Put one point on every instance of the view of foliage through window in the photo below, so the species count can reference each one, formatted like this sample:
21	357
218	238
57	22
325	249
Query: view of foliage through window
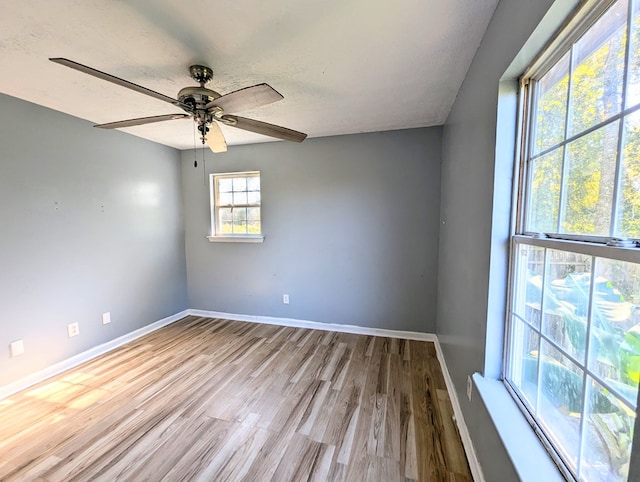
593	91
575	354
574	348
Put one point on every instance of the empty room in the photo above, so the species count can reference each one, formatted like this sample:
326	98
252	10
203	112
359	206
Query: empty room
300	241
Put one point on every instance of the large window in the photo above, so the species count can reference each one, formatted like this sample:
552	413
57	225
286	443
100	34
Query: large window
235	206
573	357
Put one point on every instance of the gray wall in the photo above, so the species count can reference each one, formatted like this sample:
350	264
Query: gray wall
351	226
91	222
476	199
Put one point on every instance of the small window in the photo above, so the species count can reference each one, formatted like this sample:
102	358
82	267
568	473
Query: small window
235	207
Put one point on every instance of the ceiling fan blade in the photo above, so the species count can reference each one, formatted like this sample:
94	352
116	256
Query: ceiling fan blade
264	128
247	98
215	139
142	120
117	80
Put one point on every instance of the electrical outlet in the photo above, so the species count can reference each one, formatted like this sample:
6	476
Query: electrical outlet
17	348
73	329
285	299
106	318
469	387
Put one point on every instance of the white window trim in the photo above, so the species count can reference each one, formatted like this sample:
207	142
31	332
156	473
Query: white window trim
530	456
231	238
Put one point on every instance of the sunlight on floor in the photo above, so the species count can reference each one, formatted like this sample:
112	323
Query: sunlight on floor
54	392
89	398
63	390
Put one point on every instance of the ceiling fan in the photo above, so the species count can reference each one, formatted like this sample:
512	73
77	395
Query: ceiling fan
205	106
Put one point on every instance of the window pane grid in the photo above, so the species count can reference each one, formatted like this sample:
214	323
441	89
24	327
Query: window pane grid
236	204
586	132
599	404
576	362
601	60
583	364
614	196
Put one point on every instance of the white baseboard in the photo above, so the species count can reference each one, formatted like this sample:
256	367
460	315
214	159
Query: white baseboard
76	360
474	464
30	380
317	325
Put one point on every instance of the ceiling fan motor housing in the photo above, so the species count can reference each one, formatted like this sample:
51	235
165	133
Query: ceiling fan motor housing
197	97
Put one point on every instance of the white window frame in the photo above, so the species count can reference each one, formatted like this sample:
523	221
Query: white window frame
594	246
216	234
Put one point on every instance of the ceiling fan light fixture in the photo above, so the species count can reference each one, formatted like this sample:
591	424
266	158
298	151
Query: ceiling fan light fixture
215	139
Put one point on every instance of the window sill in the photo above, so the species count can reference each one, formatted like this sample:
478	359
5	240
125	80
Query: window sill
236	239
529	457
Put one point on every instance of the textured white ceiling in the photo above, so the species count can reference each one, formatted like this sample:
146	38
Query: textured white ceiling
343	66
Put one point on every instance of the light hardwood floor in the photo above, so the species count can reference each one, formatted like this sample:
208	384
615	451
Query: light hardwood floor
215	400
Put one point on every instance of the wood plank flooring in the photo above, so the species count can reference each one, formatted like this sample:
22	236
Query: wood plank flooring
217	400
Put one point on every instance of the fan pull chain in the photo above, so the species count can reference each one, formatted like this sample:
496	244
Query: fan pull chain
195	159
